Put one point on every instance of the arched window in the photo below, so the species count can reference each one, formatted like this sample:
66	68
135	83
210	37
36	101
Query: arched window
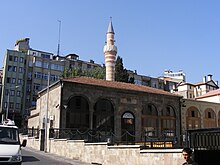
103	116
210	118
77	115
168	122
128	126
193	119
150	120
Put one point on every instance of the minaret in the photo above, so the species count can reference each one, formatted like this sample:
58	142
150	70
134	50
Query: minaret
110	51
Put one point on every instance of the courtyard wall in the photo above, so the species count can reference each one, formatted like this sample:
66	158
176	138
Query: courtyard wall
102	153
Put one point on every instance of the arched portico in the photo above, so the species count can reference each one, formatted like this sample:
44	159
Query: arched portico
193	119
77	114
103	115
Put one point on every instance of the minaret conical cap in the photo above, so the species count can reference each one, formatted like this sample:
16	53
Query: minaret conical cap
110	26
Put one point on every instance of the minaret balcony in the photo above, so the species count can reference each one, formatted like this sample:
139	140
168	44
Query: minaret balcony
110	48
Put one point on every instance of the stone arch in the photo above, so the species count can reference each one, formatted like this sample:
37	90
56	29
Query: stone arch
168	121
128	126
209	118
77	115
150	120
103	115
193	118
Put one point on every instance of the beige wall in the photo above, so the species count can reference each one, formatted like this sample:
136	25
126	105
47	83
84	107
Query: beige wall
53	106
33	120
110	155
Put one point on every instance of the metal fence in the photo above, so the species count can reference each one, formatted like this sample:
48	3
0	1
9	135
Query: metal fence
94	136
204	139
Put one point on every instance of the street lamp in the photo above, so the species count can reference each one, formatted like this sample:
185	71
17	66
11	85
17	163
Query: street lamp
47	106
8	100
46	115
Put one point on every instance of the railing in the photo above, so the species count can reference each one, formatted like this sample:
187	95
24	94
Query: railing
92	136
31	132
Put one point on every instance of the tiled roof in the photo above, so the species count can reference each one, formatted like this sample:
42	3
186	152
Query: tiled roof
117	85
209	94
199	83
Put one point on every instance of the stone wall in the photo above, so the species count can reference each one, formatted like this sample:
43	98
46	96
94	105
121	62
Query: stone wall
110	155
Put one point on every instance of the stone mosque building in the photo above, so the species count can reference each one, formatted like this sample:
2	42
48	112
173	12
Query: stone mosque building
89	103
83	102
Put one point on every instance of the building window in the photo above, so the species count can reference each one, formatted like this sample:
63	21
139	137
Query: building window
37	87
210	118
57	67
45	76
19	81
10	58
14	68
20	69
38	63
53	77
15	58
21	59
8	80
13	80
149	120
29	75
168	122
38	75
46	65
18	93
46	56
89	66
10	68
193	118
12	93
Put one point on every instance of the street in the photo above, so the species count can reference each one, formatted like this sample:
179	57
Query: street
34	157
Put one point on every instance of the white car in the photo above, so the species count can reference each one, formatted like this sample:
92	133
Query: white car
10	146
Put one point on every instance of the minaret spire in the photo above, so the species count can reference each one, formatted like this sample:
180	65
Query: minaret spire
110	51
110	27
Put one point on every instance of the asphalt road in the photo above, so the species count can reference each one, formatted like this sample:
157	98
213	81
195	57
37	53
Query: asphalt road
35	157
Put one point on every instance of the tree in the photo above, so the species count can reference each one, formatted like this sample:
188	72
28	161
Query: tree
97	72
121	73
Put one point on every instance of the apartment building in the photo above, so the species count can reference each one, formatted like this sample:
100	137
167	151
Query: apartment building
162	82
192	91
27	71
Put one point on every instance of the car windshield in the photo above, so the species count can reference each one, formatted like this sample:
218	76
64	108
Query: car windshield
8	135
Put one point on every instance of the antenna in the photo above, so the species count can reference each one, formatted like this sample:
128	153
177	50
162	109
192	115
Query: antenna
58	49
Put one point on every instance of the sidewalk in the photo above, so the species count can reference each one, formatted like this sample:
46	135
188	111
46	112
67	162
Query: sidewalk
56	157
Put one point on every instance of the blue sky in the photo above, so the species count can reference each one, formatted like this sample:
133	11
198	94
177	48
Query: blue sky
151	35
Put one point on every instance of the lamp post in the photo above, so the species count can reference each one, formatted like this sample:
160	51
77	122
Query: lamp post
47	108
46	115
8	100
